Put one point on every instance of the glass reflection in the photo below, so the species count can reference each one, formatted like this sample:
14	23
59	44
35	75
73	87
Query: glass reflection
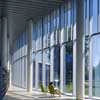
57	66
47	74
19	61
34	73
87	65
68	70
40	73
96	65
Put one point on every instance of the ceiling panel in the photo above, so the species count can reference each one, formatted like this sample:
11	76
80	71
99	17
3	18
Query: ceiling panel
22	10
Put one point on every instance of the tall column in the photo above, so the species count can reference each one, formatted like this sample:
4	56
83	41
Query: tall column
52	65
90	70
74	49
36	75
10	43
29	57
4	42
80	75
9	66
44	70
62	64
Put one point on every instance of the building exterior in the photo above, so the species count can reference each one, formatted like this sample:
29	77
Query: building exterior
60	46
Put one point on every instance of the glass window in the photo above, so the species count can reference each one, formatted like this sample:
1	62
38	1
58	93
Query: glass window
52	36
56	35
19	70
87	65
46	56
69	14
45	30
86	25
91	8
49	30
66	15
40	73
69	21
95	15
58	19
99	7
62	17
57	66
47	74
86	8
55	24
91	15
68	68
96	65
34	73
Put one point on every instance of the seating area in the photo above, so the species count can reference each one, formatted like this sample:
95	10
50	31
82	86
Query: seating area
50	89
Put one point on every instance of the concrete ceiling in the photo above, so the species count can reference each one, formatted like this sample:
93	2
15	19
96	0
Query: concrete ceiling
18	11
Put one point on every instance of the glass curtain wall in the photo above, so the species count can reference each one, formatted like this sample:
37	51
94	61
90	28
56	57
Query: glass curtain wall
96	65
67	42
55	46
50	33
39	53
92	30
19	61
53	31
46	49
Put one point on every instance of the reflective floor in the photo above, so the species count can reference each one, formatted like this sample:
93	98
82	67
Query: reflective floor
21	94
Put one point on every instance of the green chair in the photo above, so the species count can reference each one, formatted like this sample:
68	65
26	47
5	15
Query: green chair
53	91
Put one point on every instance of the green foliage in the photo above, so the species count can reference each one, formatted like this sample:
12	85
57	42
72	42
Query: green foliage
43	89
70	87
86	88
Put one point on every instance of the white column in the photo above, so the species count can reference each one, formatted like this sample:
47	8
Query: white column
74	60
90	70
9	62
80	73
9	65
62	65
44	71
36	74
4	44
29	58
10	74
52	65
74	49
91	63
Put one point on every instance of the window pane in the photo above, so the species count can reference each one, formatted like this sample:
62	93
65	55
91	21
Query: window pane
87	65
34	74
96	65
47	74
95	14
40	74
57	66
68	68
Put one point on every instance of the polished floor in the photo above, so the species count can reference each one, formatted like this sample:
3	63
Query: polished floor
21	94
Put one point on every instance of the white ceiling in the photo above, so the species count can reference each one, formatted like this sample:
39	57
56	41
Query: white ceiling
18	11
